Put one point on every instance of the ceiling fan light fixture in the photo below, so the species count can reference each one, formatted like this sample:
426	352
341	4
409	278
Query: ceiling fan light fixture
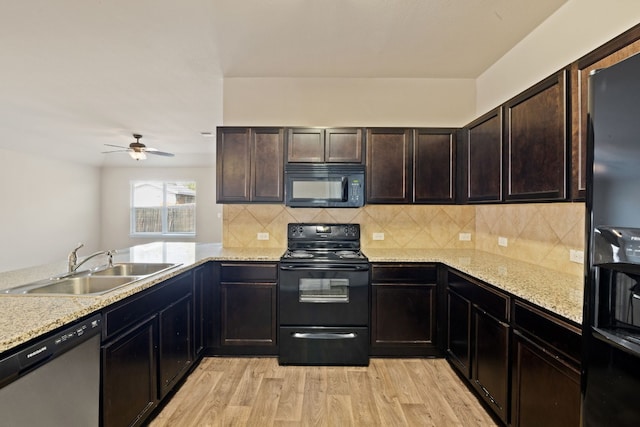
137	155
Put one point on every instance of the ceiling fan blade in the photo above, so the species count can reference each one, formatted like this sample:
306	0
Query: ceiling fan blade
116	151
158	152
117	146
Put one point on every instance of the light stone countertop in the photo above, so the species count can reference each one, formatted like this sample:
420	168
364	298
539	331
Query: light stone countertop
558	292
24	317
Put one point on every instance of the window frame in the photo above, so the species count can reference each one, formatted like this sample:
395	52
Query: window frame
164	209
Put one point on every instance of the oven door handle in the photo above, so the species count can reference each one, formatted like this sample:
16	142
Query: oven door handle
335	267
325	335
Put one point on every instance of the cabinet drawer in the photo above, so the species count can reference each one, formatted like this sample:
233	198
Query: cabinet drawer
560	335
144	304
404	273
487	299
249	272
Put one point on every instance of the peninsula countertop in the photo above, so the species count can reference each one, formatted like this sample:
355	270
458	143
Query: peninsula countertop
27	316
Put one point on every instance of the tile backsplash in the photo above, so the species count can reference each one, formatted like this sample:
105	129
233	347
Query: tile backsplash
541	233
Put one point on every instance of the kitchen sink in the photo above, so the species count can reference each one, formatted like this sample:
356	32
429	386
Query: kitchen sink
92	282
84	285
133	269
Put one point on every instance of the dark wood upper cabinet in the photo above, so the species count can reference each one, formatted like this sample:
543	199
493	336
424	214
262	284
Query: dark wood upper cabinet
389	165
317	145
434	166
250	165
480	160
609	54
343	145
535	129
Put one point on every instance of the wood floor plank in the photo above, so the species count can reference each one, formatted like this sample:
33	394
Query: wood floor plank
290	403
230	391
365	411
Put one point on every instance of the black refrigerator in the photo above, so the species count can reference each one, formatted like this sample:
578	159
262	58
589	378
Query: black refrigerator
611	325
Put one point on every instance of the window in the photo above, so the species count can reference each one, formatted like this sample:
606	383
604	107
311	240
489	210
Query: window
163	208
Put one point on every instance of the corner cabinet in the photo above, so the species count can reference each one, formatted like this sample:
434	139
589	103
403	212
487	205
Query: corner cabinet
404	309
146	350
246	297
250	165
536	130
318	145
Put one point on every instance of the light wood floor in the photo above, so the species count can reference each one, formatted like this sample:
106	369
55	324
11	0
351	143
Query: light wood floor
259	392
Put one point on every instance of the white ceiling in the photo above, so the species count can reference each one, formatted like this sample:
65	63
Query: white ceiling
78	74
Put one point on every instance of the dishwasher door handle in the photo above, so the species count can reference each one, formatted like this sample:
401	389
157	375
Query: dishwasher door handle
325	335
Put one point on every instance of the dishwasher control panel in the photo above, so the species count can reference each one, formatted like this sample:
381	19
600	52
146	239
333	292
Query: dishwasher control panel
48	347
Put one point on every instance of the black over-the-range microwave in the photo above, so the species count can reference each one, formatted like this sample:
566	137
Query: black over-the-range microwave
324	185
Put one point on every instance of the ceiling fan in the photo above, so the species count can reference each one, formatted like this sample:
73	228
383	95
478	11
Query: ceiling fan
137	150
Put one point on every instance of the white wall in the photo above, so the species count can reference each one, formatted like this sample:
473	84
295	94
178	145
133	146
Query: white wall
116	203
47	207
576	29
348	102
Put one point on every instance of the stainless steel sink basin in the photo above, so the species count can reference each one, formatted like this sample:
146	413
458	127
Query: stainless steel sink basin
93	282
133	269
85	285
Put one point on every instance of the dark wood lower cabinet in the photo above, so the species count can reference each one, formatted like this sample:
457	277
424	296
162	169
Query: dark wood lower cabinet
174	343
248	314
245	300
459	332
403	310
546	389
146	350
129	391
490	372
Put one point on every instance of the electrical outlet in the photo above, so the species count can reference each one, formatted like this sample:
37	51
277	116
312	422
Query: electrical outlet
378	236
576	256
263	236
503	241
464	237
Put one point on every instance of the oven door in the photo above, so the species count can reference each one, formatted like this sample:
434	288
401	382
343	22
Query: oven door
324	294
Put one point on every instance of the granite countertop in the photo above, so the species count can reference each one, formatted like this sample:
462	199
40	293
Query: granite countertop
557	292
27	316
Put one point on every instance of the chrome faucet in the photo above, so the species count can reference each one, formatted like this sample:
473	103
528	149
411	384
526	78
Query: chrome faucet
73	258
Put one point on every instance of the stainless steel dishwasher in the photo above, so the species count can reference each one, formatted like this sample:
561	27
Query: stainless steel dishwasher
54	381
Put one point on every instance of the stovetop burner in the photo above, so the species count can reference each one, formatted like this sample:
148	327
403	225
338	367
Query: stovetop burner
324	242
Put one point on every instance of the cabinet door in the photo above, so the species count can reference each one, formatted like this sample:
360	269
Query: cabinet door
490	372
389	165
434	166
481	167
202	306
609	54
536	144
233	165
305	145
403	316
343	145
129	376
267	157
459	332
248	314
546	389
174	343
